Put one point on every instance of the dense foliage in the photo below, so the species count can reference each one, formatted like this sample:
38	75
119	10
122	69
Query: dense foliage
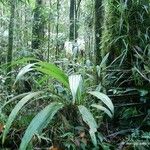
74	74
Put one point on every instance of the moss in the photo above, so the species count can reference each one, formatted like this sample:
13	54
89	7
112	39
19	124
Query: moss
126	24
108	24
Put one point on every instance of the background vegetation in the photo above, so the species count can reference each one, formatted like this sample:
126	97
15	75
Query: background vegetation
74	74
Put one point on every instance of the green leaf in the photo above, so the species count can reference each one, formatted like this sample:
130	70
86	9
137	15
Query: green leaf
141	73
102	64
39	122
75	83
89	119
104	98
14	112
24	61
12	100
93	137
21	61
45	68
53	71
24	70
103	109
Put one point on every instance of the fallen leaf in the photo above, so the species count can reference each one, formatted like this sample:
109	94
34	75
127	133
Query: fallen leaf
1	127
82	134
84	140
54	148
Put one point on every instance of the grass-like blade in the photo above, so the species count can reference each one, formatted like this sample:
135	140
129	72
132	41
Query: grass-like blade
53	71
15	111
107	111
45	115
90	121
104	98
23	71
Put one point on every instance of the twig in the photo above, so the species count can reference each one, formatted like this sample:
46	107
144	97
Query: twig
121	132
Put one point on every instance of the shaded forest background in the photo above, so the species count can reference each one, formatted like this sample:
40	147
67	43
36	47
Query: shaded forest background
69	49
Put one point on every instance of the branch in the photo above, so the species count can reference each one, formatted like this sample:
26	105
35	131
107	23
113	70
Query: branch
78	5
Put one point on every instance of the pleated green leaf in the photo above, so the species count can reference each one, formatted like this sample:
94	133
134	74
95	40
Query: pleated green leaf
39	122
105	99
75	83
12	100
24	70
15	111
89	119
53	71
107	111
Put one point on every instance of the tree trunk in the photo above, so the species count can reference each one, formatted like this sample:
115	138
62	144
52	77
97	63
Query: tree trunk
57	31
38	27
10	44
72	20
49	33
74	7
77	6
98	25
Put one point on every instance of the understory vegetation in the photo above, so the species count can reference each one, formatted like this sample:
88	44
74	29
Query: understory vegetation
74	74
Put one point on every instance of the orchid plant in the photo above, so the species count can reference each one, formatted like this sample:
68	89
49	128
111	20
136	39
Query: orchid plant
74	84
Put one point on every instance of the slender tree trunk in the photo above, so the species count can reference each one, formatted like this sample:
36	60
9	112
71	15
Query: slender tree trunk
49	42
38	27
57	31
49	33
72	20
10	44
74	7
1	13
76	26
98	25
75	22
26	30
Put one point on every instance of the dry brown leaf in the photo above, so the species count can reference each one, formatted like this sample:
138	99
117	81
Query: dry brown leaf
82	134
84	140
1	127
54	148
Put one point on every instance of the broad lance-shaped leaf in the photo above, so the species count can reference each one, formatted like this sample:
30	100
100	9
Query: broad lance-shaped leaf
104	60
24	70
89	119
93	137
104	98
12	100
20	61
75	83
24	61
43	117
53	71
14	112
103	109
